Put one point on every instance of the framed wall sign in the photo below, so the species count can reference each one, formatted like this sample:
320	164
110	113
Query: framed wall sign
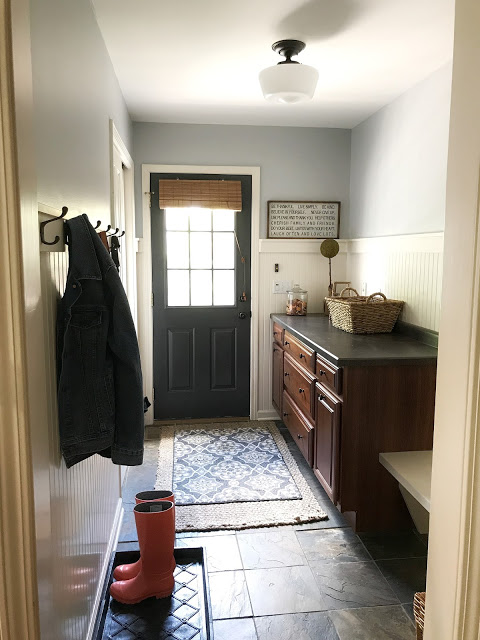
308	220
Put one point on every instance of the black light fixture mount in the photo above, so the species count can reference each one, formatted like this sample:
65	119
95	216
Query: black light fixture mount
288	48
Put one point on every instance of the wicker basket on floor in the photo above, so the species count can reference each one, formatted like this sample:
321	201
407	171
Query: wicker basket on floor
362	314
419	613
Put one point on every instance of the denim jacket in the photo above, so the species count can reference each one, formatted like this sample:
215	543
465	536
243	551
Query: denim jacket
100	391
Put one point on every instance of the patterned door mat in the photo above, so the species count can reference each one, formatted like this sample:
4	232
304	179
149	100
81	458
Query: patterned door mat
229	463
233	475
183	616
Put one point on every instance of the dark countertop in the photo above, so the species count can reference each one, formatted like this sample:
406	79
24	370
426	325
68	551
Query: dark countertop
342	348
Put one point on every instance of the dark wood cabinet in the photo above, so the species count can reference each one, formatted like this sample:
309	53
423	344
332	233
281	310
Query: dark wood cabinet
343	413
277	377
326	461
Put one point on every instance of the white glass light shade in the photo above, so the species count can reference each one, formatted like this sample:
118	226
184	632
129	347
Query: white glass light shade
288	83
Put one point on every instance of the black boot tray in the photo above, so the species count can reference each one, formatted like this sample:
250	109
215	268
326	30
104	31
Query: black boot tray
185	615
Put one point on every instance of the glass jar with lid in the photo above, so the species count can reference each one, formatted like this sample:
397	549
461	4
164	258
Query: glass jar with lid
297	299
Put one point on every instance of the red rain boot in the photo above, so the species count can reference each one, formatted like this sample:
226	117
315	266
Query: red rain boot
156	536
129	571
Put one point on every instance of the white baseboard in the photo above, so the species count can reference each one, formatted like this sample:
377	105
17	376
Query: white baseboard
112	545
267	414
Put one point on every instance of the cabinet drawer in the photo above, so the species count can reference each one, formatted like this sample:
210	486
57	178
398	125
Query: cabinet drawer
328	374
300	430
278	332
299	351
300	385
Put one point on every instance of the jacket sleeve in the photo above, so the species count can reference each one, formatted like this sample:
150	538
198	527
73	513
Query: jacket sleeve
127	448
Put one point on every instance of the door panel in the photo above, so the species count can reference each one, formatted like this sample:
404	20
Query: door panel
223	358
201	321
180	359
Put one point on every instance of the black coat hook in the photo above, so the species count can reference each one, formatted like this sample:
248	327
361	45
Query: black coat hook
114	233
109	226
122	234
44	224
97	226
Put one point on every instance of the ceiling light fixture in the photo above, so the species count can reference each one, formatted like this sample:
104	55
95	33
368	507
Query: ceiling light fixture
288	81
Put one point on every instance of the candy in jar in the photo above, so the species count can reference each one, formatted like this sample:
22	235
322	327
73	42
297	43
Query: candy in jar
297	299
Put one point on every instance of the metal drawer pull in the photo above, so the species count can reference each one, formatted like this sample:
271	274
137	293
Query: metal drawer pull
301	391
286	343
275	333
301	356
285	414
299	436
322	398
322	373
286	374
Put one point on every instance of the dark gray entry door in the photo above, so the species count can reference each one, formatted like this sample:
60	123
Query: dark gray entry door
201	324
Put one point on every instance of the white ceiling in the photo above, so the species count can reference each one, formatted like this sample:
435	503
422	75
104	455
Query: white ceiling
197	61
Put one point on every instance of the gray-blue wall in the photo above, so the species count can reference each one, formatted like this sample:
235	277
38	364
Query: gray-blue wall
76	92
399	164
296	163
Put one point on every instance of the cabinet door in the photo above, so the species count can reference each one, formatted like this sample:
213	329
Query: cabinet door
277	378
327	441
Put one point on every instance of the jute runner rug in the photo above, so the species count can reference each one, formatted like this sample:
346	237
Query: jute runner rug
233	475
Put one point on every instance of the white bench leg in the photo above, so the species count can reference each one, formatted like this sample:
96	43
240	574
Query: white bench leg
420	515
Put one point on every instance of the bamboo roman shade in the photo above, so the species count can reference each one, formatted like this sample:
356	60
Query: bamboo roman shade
209	194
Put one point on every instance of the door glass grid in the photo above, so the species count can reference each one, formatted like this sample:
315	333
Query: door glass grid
200	249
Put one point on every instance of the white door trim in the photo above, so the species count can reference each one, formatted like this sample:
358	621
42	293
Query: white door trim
453	575
19	611
117	144
145	318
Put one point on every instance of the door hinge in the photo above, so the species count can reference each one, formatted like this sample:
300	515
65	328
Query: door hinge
152	299
149	194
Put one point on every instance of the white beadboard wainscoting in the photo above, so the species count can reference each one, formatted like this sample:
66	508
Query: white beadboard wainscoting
405	268
84	502
301	262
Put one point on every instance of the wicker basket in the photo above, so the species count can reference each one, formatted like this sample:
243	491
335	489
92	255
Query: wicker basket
362	314
419	613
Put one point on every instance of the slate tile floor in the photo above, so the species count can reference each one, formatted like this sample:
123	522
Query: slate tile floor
318	581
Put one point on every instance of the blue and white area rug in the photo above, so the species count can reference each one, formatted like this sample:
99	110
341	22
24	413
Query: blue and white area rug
233	476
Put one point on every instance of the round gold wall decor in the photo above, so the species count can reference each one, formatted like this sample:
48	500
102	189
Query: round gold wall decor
329	248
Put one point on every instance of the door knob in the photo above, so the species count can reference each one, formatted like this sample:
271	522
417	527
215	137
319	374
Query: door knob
242	315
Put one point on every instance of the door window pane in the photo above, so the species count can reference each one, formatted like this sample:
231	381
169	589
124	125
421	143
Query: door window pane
176	219
201	288
200	219
178	288
223	251
223	220
223	288
200	250
177	250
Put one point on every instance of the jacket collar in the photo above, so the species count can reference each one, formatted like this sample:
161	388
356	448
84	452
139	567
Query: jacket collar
83	257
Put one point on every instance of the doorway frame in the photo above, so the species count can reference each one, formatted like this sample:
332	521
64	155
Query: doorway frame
117	144
144	282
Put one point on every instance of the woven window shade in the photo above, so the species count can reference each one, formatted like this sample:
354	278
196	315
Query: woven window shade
209	194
